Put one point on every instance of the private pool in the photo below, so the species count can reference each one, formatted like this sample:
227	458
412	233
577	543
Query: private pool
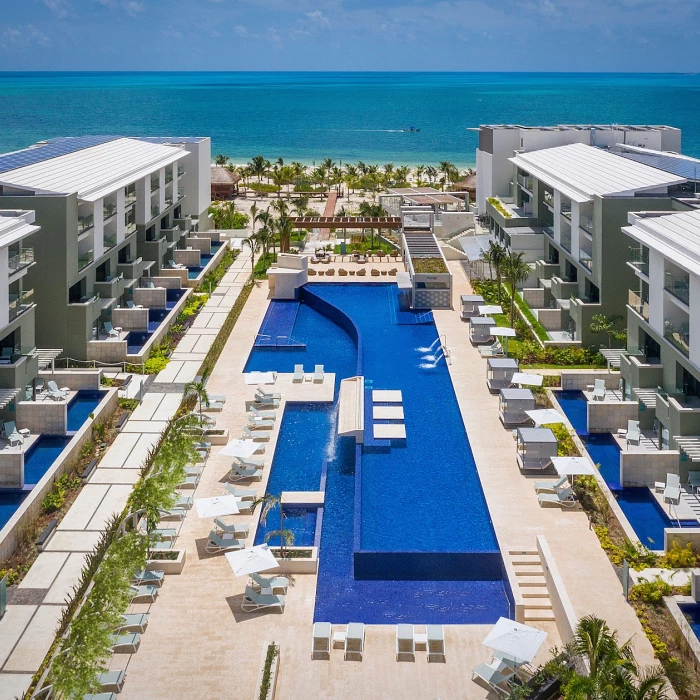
40	456
641	509
301	522
434	552
80	407
691	611
135	340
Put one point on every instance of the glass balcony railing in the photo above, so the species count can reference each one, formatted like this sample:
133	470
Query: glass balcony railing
110	241
180	192
586	223
678	285
549	198
639	257
565	239
85	223
585	258
19	303
85	259
18	260
155	184
155	210
109	210
129	227
549	230
168	177
526	181
180	170
168	200
678	334
130	198
639	304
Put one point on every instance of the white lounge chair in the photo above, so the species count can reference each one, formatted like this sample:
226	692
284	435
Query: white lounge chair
112	331
495	675
241	494
276	583
260	435
599	390
133	622
405	642
54	392
551	486
11	434
564	498
143	594
672	492
318	374
265	402
126	643
256	423
493	350
249	462
238	530
222	543
298	373
321	641
633	433
237	473
436	641
274	395
265	415
355	639
252	600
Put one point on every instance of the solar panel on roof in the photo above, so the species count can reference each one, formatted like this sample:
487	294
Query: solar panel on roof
51	149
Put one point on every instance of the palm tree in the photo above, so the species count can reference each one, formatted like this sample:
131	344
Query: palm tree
402	174
280	206
254	215
301	204
431	172
269	503
266	236
388	172
495	256
516	271
253	243
278	179
198	389
221	159
285	229
420	169
446	168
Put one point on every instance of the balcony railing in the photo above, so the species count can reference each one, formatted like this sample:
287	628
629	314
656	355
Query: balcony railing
565	239
585	258
180	192
19	303
526	181
130	198
85	223
20	260
155	210
548	198
155	184
168	177
109	210
639	304
110	241
586	223
129	227
549	230
678	334
180	170
639	257
678	286
85	259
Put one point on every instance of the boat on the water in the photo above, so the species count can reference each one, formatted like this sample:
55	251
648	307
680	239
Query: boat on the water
411	129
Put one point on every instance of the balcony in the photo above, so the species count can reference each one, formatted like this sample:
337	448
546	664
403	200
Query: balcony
155	210
168	200
549	230
109	240
586	223
85	223
526	181
678	285
638	258
565	239
585	258
640	373
638	304
168	177
19	303
180	170
129	228
155	185
548	199
678	334
173	234
111	288
565	209
109	210
18	261
180	193
130	198
85	259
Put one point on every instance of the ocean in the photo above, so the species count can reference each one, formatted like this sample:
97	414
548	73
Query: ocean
344	116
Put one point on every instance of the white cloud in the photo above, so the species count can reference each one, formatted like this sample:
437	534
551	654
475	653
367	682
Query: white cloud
22	37
240	30
130	7
58	7
171	32
317	17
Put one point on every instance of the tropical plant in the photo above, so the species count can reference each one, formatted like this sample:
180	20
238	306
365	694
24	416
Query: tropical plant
285	229
516	270
600	323
221	159
269	502
253	243
198	390
495	256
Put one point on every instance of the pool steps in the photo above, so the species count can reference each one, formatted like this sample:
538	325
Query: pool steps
532	585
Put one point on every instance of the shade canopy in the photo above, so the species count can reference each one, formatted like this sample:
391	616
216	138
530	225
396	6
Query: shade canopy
545	416
216	505
529	379
489	309
239	448
252	561
571	466
503	332
518	642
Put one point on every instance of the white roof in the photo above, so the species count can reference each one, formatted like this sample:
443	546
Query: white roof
97	171
675	236
15	225
580	171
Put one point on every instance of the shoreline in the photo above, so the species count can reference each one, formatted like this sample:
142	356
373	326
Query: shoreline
310	163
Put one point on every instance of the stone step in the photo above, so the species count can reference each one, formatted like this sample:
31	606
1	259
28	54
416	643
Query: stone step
538	604
527	570
530	581
519	559
525	552
535	592
539	616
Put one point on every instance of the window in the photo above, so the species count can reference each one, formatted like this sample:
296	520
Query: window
650	348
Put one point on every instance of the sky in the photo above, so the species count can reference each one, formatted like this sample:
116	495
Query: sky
342	35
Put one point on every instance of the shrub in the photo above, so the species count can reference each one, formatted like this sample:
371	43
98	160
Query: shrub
498	206
566	447
239	220
154	365
55	498
680	557
129	404
87	449
651	591
429	265
108	381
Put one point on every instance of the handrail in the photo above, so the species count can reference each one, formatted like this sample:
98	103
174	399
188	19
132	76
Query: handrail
95	363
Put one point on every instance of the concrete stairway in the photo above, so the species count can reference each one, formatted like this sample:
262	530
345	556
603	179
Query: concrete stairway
531	584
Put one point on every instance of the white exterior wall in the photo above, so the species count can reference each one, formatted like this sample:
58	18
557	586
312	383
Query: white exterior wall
121	227
98	230
575	233
656	291
694	320
197	178
484	177
161	190
4	288
143	200
557	216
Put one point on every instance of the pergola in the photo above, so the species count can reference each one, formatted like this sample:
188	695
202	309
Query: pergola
345	222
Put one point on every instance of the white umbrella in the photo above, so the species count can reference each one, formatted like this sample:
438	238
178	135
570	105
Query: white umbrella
571	466
489	309
518	642
251	561
545	416
503	332
529	379
260	377
217	505
240	448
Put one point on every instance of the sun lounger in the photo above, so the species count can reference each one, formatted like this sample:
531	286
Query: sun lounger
160	545
275	395
672	492
126	643
237	473
144	594
190	482
204	420
112	681
550	486
355	639
154	578
496	676
633	433
238	530
54	392
564	498
133	623
249	462
255	423
110	330
265	415
252	601
435	642
599	390
173	514
405	643
273	582
318	374
259	435
219	398
183	502
193	470
321	639
242	494
164	533
493	350
222	543
213	406
11	434
298	373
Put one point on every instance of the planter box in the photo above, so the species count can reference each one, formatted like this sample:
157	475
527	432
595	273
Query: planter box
274	672
218	439
169	566
299	566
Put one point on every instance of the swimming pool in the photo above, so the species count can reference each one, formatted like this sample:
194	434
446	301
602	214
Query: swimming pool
80	407
41	455
301	522
691	611
135	340
381	498
641	509
10	501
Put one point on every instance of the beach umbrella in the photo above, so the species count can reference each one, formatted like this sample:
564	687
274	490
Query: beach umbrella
252	561
260	377
503	332
527	379
240	448
570	466
515	641
216	505
545	416
489	309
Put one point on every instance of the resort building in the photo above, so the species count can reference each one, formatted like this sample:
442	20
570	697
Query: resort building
499	142
112	212
569	205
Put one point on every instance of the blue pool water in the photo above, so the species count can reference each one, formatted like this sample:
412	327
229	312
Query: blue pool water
41	455
278	323
394	513
135	340
81	406
155	318
172	297
641	509
10	501
692	614
300	521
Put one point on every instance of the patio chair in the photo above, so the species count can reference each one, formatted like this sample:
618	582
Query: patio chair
405	643
111	331
150	285
54	392
496	676
11	434
260	435
361	258
6	356
173	514
436	641
261	402
550	486
633	433
237	473
175	266
112	681
255	423
222	543
599	390
265	415
318	374
241	494
183	501
238	530
493	350
274	395
298	373
321	639
564	498
190	482
253	601
213	406
355	639
220	398
250	462
672	492
133	623
130	305
272	582
144	594
193	470
126	643
154	578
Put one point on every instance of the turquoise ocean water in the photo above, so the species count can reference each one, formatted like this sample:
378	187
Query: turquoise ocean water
346	116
